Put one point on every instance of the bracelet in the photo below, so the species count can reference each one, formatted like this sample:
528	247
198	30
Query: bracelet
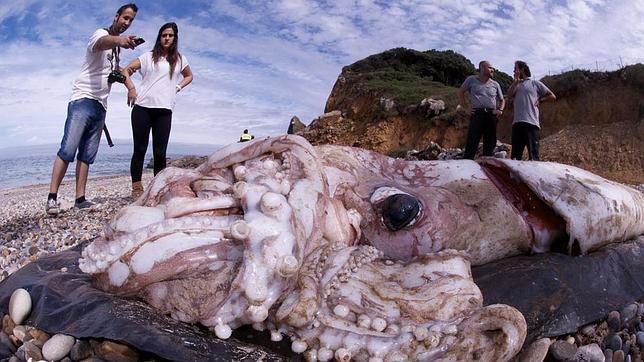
178	88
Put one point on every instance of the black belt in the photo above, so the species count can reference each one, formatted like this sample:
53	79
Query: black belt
487	110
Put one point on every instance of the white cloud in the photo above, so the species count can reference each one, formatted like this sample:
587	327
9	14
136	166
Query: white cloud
257	64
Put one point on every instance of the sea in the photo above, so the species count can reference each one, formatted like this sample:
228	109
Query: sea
31	165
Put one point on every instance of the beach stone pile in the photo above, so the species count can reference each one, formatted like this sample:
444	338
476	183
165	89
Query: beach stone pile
434	151
27	343
617	338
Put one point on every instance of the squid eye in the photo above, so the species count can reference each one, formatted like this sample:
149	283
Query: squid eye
399	210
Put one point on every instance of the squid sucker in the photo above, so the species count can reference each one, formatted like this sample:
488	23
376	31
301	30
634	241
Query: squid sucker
351	254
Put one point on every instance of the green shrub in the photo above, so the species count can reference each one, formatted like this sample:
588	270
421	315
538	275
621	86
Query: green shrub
408	76
578	80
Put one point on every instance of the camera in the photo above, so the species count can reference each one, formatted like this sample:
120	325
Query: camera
115	76
139	41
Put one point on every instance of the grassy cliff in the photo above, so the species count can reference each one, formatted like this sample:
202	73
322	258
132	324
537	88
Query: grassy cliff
408	76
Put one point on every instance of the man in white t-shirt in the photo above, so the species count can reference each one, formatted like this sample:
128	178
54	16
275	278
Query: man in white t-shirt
88	104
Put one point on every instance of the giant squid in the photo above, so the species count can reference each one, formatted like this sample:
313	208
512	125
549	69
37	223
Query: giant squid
351	254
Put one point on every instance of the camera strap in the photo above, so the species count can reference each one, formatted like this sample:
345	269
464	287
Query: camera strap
115	54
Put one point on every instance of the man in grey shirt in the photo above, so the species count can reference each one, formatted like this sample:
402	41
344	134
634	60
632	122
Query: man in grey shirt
484	96
528	94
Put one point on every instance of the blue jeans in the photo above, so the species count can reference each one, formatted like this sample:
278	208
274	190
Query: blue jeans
83	129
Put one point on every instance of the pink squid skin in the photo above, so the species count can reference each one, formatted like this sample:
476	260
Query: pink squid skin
293	238
491	208
461	208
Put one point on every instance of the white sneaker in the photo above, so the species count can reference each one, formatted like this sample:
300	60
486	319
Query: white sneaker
52	207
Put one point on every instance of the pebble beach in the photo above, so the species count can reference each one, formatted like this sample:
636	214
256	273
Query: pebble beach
28	233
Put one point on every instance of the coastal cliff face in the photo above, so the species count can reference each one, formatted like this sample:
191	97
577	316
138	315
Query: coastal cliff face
402	99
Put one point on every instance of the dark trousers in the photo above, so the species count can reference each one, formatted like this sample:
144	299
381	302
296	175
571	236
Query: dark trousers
482	123
525	135
145	119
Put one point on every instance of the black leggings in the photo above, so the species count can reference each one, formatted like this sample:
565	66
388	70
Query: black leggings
144	119
525	135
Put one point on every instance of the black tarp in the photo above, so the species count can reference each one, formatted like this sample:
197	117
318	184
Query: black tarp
556	293
66	302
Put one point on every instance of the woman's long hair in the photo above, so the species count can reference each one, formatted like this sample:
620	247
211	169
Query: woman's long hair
173	53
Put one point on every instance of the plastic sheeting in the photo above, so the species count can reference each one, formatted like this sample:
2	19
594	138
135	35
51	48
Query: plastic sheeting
556	293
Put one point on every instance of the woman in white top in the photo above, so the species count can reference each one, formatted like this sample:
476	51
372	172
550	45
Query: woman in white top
153	104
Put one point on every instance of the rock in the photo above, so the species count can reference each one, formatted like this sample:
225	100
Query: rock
613	342
31	351
626	347
19	305
39	335
295	126
562	350
20	332
433	106
33	250
628	313
58	347
7	324
81	350
640	339
535	352
614	321
588	330
618	356
5	341
591	353
115	352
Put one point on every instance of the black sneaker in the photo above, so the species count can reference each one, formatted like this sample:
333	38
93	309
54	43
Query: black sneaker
52	207
83	205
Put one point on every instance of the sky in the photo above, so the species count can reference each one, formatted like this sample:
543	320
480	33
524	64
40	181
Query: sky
258	63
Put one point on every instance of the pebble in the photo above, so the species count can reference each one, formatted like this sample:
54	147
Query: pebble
537	351
20	332
640	339
588	330
111	351
6	341
7	324
19	305
613	342
591	353
81	350
562	350
614	321
628	313
618	356
57	347
626	347
31	351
